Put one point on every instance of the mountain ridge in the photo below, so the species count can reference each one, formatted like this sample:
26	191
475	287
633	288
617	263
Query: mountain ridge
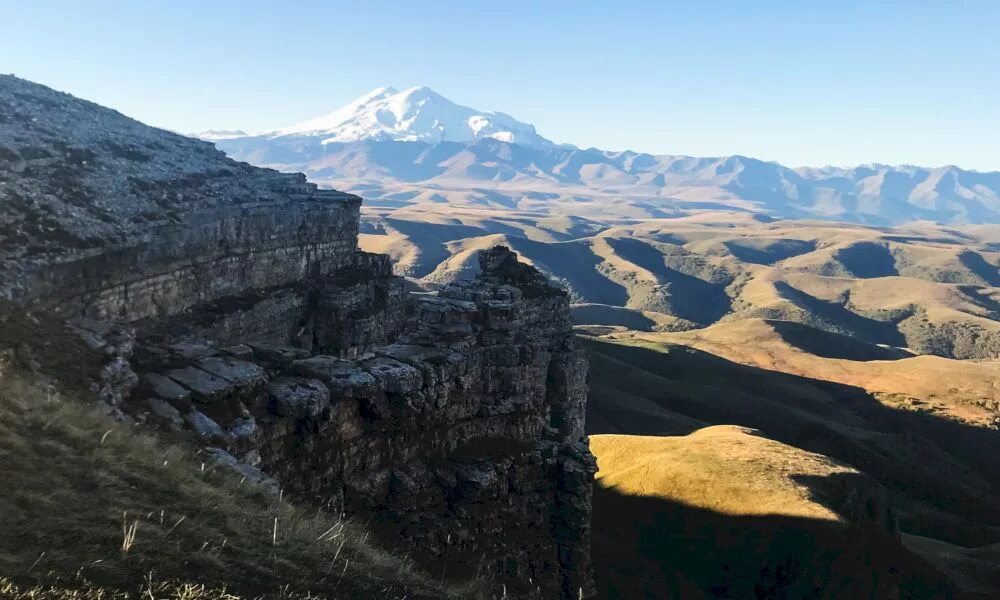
390	142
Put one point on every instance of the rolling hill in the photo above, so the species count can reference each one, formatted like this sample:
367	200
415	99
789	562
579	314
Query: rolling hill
661	417
724	512
928	288
662	242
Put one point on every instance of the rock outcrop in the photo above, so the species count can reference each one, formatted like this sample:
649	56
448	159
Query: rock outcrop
230	304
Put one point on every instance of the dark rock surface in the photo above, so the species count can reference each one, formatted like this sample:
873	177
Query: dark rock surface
105	216
231	303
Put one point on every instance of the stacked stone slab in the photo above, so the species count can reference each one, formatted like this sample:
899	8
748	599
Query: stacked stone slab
230	303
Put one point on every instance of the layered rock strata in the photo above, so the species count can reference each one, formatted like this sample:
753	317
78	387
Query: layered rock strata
230	304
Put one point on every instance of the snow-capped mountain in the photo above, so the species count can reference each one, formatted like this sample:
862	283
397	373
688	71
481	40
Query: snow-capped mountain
418	114
404	143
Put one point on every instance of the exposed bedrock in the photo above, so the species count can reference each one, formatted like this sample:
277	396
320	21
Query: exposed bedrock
105	217
215	254
228	303
453	422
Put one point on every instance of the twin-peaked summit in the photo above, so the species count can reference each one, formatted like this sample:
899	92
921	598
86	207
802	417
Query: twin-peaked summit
418	114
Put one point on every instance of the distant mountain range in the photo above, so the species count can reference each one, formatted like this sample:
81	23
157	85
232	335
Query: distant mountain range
394	147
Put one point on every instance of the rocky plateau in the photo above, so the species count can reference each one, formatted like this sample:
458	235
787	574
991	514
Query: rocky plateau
229	304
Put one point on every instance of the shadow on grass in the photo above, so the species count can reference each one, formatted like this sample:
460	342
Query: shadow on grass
942	475
645	547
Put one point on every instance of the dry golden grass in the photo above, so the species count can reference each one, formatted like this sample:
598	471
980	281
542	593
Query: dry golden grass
726	469
157	590
938	472
726	513
90	507
405	255
935	289
954	388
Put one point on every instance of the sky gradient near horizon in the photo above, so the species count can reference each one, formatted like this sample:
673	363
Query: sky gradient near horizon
802	83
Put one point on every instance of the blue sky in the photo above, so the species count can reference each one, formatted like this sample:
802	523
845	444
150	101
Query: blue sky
803	83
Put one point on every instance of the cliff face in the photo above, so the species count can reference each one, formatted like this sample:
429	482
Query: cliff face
231	303
107	217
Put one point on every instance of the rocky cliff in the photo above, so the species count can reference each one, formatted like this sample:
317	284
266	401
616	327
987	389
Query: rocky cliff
230	304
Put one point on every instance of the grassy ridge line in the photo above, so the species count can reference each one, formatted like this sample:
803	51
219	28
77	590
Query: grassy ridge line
91	509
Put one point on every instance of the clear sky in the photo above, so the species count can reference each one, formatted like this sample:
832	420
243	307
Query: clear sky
803	83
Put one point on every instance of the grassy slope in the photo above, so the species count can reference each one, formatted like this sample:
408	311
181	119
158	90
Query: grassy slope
727	513
723	468
74	484
935	469
958	389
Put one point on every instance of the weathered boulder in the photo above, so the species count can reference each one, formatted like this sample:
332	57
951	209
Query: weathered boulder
167	389
203	425
298	397
251	474
170	416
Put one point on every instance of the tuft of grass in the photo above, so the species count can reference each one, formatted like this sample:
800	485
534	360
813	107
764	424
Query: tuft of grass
156	590
91	509
128	532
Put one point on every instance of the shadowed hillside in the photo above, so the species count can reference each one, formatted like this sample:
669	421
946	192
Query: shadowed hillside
927	288
939	478
726	513
965	391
